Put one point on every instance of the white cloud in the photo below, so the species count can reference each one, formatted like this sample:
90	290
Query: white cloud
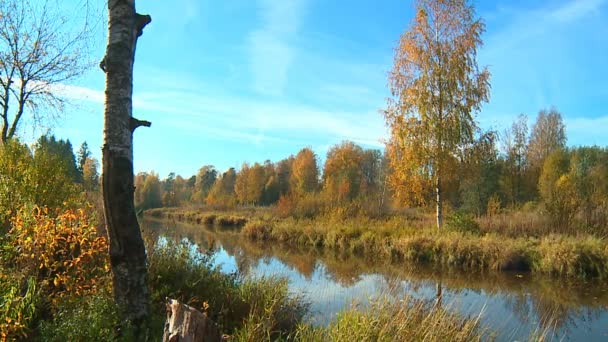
576	9
247	120
256	121
79	93
271	46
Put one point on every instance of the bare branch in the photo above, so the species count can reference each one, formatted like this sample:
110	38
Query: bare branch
141	20
38	49
137	123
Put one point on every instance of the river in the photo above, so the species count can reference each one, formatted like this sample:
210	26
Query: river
514	305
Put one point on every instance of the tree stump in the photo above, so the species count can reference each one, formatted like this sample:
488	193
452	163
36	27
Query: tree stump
186	324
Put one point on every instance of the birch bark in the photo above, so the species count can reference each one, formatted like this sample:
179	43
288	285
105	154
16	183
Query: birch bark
127	250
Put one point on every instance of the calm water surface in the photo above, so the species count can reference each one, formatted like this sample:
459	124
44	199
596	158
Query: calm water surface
514	305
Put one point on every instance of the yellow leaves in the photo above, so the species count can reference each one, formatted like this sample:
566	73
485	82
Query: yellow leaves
436	87
63	249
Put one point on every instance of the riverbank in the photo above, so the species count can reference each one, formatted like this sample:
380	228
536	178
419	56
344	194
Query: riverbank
260	309
399	239
263	309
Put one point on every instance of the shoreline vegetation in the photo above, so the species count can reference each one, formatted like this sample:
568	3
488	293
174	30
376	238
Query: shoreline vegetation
77	305
464	245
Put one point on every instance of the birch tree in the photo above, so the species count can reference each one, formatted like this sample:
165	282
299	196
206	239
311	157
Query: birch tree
39	53
127	251
436	89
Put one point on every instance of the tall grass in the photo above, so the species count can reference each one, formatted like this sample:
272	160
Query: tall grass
582	256
408	320
179	270
220	219
503	242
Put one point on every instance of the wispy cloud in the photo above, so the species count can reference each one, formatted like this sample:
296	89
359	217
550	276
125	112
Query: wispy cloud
576	9
539	57
271	45
79	93
526	24
233	118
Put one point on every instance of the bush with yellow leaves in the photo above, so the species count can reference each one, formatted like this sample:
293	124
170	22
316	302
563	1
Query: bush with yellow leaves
63	252
54	256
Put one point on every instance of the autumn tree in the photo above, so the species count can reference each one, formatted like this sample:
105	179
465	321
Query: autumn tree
90	174
558	189
39	53
250	184
436	87
283	175
43	178
180	190
223	190
343	172
272	190
241	183
151	192
304	172
256	179
548	135
15	180
573	186
138	182
127	251
204	181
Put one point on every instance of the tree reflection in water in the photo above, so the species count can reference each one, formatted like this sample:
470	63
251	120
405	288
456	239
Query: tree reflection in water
562	306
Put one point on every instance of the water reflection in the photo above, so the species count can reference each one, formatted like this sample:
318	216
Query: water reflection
515	305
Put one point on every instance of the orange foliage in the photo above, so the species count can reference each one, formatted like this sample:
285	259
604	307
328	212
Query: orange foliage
305	172
65	253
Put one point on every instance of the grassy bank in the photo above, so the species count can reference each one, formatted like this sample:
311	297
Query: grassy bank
54	286
463	244
246	310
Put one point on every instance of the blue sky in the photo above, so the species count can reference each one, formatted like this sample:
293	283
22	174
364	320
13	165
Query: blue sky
225	82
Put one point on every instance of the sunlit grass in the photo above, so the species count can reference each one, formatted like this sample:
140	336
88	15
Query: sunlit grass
464	244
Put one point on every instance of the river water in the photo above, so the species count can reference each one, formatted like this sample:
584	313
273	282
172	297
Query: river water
514	305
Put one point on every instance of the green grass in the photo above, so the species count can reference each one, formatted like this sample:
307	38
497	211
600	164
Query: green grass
408	320
181	272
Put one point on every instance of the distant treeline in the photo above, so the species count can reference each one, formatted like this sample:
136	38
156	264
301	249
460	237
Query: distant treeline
510	169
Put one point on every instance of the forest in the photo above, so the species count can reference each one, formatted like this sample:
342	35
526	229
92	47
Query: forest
501	173
80	261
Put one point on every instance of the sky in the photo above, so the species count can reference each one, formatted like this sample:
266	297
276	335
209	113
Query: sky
224	82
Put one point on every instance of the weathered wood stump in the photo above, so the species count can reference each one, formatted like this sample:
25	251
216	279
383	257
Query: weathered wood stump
186	324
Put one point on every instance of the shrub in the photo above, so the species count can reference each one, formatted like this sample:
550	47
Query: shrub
257	230
230	221
209	219
90	318
64	253
42	179
18	307
462	222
